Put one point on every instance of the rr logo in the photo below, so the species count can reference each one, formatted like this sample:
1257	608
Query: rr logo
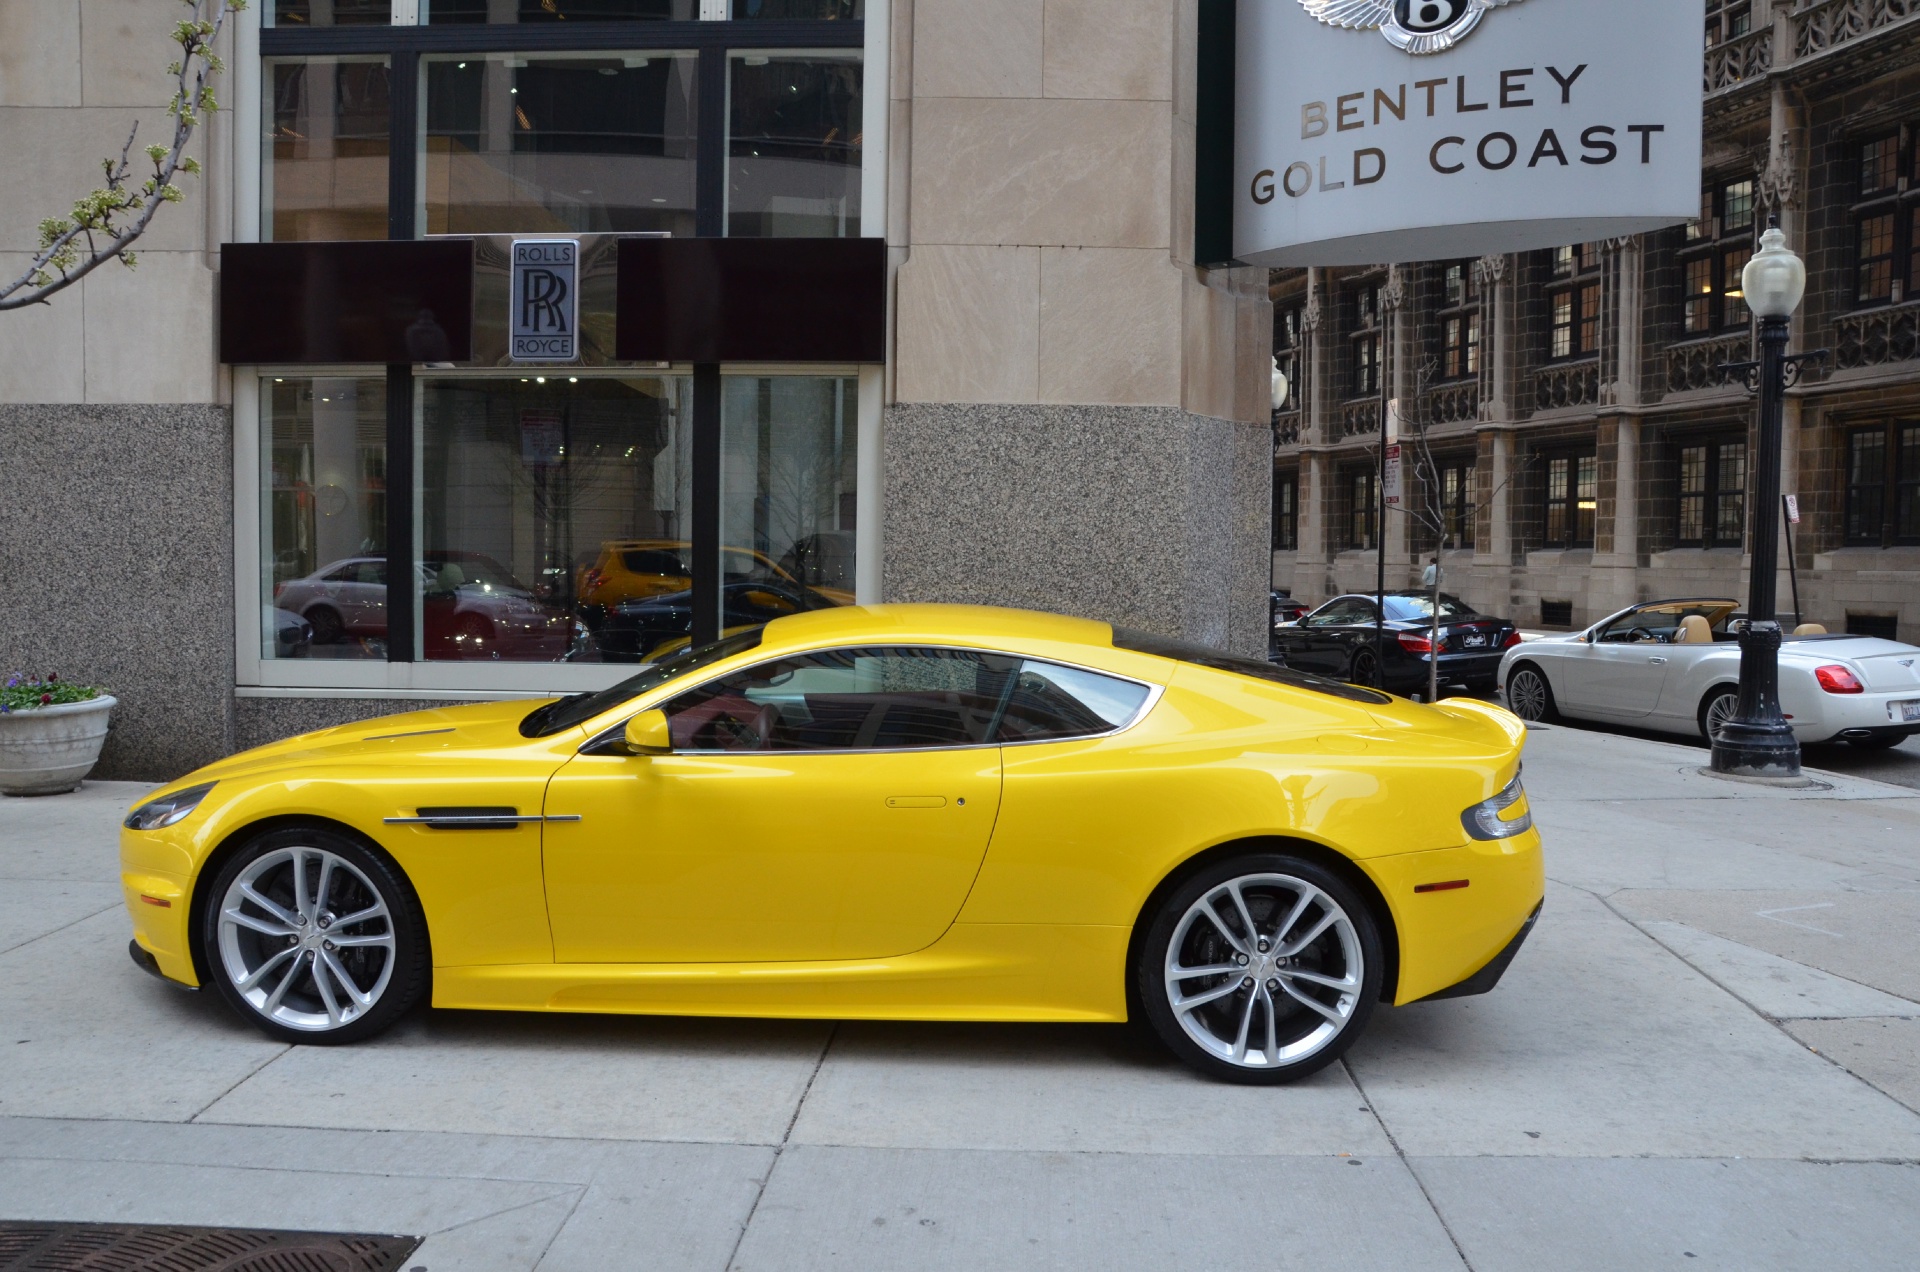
543	303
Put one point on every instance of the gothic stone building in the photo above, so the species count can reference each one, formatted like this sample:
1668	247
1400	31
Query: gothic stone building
1589	451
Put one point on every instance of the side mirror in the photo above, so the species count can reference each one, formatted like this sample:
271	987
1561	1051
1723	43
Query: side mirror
648	734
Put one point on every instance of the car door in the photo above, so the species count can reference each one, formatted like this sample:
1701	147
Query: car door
1622	670
833	805
1324	638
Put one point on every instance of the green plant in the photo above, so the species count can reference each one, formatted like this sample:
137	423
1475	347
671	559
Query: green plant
25	693
105	223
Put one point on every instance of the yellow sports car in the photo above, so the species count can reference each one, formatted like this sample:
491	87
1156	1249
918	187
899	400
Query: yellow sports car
900	813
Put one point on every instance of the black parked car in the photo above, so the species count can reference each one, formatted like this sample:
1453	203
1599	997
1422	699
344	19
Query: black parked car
1337	640
1284	610
634	629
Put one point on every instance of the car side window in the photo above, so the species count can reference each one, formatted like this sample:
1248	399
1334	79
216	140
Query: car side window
1645	626
880	699
1051	703
1341	613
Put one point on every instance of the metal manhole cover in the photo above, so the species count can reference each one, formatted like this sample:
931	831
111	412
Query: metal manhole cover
97	1247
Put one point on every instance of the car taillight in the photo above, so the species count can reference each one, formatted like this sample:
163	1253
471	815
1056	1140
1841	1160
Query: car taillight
1838	680
1513	638
1416	644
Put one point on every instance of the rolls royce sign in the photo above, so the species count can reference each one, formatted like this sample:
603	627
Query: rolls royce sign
545	323
1474	126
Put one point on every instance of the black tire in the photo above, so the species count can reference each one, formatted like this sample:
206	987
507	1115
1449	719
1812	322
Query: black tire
1729	694
1531	701
310	1008
1365	669
327	627
1270	885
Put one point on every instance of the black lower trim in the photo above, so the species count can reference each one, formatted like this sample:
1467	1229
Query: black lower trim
1483	981
146	962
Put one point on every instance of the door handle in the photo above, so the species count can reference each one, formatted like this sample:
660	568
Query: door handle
1657	661
916	801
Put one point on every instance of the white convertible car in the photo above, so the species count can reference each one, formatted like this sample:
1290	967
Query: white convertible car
1673	665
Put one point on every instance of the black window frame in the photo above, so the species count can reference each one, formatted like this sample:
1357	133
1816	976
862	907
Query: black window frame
1716	250
1571	538
404	46
1289	346
1728	20
1576	279
1460	322
1286	511
1456	478
1711	495
1361	528
1883	192
1896	492
1366	337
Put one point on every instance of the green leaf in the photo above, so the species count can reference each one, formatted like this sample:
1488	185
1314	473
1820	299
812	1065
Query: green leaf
156	153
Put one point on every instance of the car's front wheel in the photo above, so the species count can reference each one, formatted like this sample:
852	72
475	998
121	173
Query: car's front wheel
1261	969
313	938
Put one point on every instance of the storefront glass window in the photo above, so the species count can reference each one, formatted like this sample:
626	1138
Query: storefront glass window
326	13
789	487
324	518
794	145
553	518
599	143
325	174
798	10
483	11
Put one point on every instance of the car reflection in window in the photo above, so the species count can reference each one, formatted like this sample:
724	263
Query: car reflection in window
900	699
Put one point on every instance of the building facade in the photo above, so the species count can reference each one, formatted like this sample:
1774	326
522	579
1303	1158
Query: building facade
1589	450
865	300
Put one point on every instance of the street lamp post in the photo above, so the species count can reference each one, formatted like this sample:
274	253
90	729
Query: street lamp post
1758	741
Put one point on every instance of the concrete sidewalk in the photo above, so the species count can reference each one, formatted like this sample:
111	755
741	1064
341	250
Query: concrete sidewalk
1707	1057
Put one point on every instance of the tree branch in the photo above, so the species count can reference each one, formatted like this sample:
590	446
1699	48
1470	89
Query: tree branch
115	211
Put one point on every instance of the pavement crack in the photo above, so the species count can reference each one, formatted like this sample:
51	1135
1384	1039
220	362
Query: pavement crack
819	1063
1406	1162
244	1078
63	927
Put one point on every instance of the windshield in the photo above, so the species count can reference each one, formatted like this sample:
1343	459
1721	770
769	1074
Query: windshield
1411	607
571	713
1204	656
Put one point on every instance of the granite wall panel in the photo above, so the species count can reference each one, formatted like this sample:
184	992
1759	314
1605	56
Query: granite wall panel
1146	516
116	568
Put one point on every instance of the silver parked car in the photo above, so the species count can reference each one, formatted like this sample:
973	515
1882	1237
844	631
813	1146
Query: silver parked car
1674	666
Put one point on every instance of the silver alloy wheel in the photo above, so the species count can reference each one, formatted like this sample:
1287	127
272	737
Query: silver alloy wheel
1264	971
306	939
1720	711
1527	695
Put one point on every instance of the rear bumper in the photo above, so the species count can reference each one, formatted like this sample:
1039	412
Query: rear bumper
1484	980
1449	935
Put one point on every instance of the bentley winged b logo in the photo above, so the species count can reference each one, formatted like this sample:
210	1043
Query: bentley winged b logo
1418	26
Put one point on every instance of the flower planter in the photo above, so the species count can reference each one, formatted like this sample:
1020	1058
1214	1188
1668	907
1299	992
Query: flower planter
47	750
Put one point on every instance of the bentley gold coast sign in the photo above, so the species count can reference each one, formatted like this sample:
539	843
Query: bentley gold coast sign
1409	130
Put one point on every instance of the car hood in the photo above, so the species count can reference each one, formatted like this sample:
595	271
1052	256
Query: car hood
489	726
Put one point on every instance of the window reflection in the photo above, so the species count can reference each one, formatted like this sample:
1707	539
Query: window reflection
798	10
503	11
795	136
324	519
325	175
581	144
323	13
545	508
789	480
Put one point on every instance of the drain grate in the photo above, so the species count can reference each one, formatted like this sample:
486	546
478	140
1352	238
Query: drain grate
98	1247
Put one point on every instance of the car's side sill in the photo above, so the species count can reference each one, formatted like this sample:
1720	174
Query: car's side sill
1483	981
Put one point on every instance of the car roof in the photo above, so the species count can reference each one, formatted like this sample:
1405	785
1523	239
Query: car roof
963	624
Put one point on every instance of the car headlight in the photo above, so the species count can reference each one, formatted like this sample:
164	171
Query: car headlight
168	810
1484	821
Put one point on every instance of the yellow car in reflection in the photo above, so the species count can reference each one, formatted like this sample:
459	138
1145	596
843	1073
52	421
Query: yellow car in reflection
899	813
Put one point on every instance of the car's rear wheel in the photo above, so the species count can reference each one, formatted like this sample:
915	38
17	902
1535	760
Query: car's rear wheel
1261	969
313	938
1718	707
1529	696
1365	669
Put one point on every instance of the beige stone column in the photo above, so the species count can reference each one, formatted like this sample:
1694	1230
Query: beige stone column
1080	415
